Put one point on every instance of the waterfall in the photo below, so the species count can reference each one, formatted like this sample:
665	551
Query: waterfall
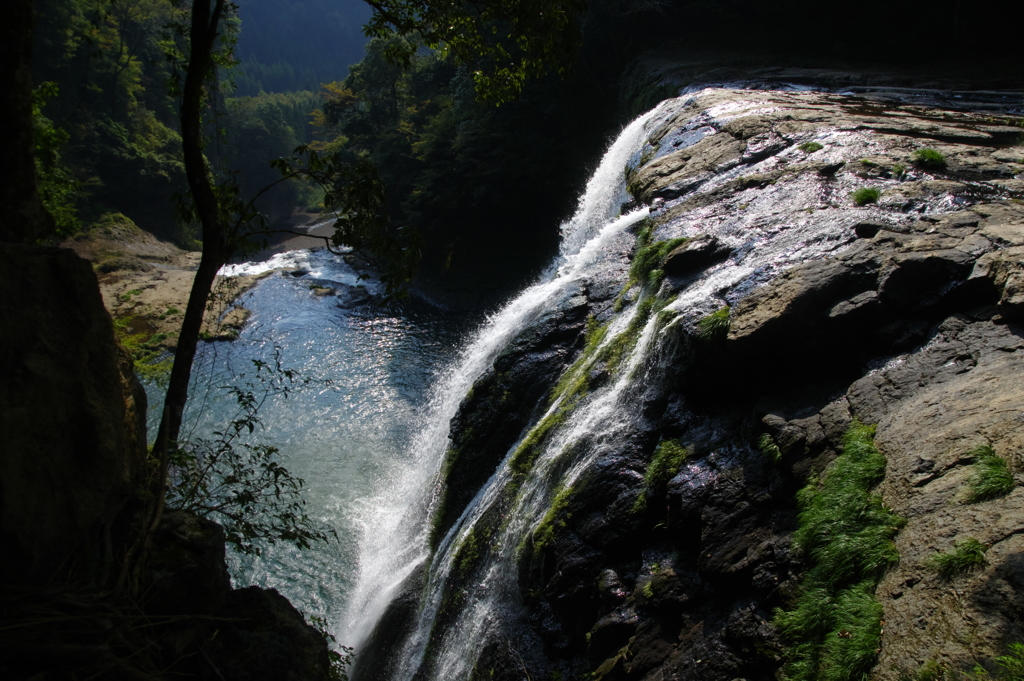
394	539
468	598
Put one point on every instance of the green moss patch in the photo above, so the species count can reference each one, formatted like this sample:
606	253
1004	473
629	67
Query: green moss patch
151	364
649	257
833	629
555	518
665	463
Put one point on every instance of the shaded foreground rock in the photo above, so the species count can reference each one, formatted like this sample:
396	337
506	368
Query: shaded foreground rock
75	601
71	411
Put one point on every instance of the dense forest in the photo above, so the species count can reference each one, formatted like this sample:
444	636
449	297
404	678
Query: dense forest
107	73
481	184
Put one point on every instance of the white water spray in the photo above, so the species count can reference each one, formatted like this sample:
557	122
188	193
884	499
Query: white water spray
394	540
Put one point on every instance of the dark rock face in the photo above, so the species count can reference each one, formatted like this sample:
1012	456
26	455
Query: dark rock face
204	628
71	411
264	638
187	573
492	417
878	297
695	255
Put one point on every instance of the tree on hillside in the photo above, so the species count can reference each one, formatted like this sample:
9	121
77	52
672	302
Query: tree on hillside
507	40
23	219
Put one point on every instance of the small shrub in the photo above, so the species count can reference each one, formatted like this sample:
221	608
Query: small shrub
899	171
341	657
715	326
929	159
1011	667
865	195
768	447
1012	663
963	557
242	485
991	478
811	147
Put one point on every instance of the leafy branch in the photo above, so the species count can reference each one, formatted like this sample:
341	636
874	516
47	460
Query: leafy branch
243	485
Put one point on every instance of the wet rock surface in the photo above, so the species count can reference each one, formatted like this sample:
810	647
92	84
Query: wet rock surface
492	417
905	313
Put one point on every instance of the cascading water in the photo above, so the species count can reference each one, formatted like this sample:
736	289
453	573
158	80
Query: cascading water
395	540
471	597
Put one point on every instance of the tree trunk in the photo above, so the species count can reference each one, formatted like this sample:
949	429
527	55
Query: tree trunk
216	244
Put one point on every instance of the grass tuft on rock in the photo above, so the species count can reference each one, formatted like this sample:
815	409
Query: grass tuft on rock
833	629
865	195
666	461
962	558
811	147
715	326
1011	668
929	159
648	260
991	477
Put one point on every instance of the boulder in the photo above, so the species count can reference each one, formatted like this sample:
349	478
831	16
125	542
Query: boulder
261	637
695	255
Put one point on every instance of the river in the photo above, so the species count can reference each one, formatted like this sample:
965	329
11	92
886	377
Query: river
364	370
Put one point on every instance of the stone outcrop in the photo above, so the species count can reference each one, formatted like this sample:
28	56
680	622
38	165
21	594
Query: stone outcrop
904	312
145	284
205	628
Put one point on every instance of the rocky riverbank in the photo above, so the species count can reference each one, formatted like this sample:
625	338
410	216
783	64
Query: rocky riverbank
145	283
894	298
